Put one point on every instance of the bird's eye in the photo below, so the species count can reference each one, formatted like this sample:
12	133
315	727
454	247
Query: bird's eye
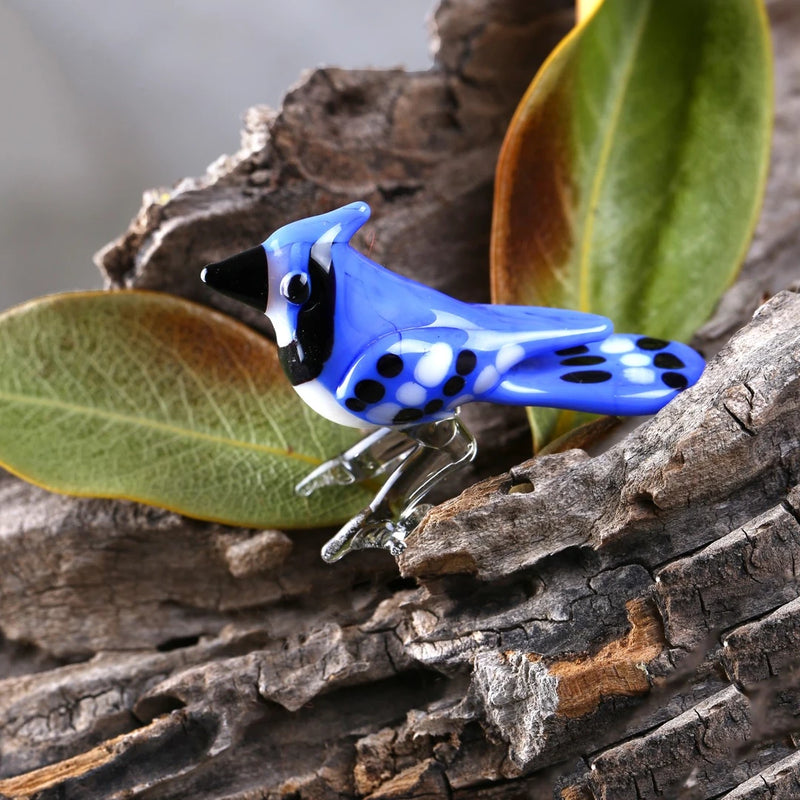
295	288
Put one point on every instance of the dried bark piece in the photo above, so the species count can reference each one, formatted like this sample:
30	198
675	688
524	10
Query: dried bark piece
698	750
765	648
116	575
425	779
261	553
618	669
779	781
90	770
747	572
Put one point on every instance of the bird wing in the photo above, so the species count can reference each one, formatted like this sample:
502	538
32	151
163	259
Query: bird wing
424	372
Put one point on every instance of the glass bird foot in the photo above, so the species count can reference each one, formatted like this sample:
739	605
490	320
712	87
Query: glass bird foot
416	458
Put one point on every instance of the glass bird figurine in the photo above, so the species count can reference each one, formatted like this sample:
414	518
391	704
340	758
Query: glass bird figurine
368	348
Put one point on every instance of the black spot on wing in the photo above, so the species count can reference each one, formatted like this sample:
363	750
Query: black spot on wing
354	404
369	391
649	343
389	365
466	362
668	361
433	406
573	351
675	380
587	376
453	386
407	415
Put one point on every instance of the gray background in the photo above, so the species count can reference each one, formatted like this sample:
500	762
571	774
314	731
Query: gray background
103	100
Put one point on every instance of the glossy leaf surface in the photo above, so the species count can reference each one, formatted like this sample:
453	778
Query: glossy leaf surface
148	397
632	173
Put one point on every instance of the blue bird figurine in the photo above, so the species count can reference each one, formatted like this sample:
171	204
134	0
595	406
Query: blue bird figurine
368	348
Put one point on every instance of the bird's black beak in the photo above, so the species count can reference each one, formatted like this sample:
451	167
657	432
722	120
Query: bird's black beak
243	277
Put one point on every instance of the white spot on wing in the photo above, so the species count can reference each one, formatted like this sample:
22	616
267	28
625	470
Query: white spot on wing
487	378
384	413
651	393
434	365
509	355
641	375
635	360
616	344
411	394
444	319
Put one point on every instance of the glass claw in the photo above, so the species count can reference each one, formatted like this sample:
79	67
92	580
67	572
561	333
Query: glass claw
331	473
417	457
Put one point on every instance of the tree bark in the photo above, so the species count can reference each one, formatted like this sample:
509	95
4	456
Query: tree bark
618	626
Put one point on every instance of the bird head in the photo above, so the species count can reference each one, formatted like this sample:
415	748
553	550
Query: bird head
290	277
276	276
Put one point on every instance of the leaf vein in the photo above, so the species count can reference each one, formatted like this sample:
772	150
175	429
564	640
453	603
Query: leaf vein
106	415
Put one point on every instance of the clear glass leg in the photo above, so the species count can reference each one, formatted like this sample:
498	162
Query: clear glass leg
373	455
418	457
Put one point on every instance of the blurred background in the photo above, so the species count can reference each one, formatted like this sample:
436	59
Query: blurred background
104	100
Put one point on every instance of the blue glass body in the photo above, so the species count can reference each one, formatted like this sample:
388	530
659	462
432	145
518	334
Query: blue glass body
367	347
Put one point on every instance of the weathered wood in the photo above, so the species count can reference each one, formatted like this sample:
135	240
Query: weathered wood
746	573
698	750
624	625
781	781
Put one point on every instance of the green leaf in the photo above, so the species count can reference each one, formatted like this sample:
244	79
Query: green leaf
631	176
149	397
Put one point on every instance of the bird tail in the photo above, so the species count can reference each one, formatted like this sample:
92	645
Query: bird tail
624	374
